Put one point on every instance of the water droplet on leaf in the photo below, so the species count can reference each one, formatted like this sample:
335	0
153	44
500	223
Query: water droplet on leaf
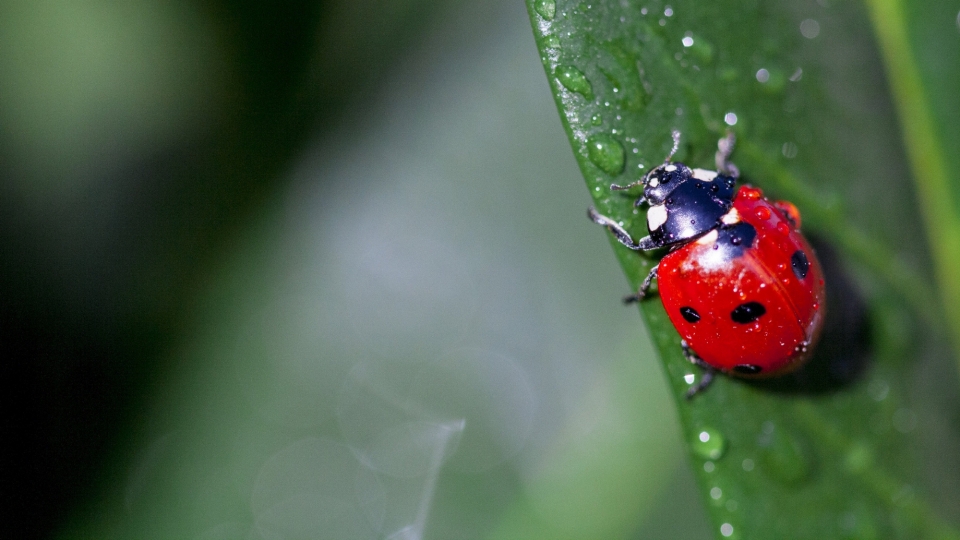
606	153
783	455
546	8
709	444
574	80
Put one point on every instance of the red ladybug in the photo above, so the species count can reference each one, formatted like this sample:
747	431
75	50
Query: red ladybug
740	283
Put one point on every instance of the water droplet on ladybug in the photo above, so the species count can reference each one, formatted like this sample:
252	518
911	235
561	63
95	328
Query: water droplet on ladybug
736	240
763	213
783	228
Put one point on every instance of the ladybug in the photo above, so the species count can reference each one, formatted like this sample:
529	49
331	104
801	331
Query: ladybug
739	282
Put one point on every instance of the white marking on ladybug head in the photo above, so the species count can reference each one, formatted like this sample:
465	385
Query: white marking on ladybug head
654	182
656	217
705	175
731	218
708	239
670	168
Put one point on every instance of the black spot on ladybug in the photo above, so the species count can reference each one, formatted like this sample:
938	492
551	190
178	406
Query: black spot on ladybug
747	369
800	263
786	215
748	312
732	240
689	314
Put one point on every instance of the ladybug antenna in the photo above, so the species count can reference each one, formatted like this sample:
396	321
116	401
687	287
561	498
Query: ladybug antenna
675	134
724	149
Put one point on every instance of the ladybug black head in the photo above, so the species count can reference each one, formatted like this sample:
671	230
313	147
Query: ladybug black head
660	182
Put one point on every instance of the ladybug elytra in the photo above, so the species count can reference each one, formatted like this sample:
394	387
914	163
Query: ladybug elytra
741	285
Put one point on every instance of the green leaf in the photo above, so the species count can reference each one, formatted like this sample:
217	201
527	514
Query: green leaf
850	446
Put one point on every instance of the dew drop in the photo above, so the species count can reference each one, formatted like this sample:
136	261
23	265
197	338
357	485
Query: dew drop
551	42
606	153
697	46
783	228
763	213
716	493
747	464
709	466
789	150
763	75
730	118
810	28
574	80
784	457
878	390
709	444
726	530
596	119
546	8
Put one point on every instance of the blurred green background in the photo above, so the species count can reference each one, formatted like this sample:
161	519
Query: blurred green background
311	270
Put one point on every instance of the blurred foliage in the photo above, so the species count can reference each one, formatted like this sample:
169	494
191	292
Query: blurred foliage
841	449
279	271
135	140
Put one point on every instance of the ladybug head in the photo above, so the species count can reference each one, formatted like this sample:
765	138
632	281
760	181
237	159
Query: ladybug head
659	183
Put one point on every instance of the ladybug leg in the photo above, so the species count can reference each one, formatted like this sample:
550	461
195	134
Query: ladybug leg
641	182
708	370
724	149
644	244
644	287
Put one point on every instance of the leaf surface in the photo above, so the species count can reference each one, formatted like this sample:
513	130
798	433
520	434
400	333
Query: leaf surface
849	446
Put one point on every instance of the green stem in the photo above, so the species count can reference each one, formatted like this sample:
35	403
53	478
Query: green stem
924	152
